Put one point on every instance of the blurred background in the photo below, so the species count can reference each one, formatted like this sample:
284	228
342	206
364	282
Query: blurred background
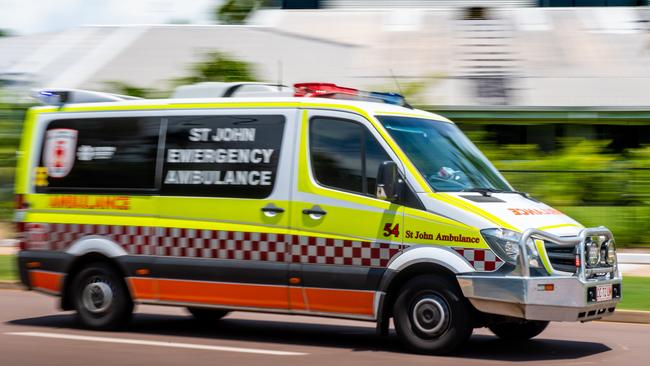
555	92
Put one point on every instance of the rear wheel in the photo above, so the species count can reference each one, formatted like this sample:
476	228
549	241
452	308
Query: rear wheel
101	298
431	315
207	315
518	330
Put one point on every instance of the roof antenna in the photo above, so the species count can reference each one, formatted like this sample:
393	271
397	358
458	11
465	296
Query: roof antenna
399	88
279	75
396	82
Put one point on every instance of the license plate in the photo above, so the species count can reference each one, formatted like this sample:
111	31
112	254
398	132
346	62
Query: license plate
603	292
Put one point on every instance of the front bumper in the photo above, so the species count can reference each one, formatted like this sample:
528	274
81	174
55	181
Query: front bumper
557	296
521	297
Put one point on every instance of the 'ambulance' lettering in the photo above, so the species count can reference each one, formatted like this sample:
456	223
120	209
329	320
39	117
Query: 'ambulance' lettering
217	177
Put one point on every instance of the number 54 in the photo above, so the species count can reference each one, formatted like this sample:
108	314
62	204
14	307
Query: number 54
391	230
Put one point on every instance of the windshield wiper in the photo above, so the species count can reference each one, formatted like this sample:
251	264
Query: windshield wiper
486	192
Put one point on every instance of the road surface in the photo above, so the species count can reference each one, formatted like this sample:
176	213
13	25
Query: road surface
34	332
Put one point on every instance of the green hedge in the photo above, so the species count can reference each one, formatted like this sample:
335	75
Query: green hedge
629	224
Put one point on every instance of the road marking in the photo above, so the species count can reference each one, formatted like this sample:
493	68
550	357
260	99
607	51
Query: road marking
157	343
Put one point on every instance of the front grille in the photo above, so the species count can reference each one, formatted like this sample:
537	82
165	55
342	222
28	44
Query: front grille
561	258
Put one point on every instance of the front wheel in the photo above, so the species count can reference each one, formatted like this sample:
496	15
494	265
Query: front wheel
518	331
431	315
101	298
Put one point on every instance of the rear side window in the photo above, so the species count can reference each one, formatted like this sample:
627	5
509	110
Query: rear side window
222	156
345	155
99	155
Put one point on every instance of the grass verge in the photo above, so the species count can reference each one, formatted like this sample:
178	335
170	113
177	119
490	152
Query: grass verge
636	293
8	270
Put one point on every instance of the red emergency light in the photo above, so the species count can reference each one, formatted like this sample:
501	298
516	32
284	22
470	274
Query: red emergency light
320	90
329	90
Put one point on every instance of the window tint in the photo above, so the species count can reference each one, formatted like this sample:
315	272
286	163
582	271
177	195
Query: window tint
222	156
99	155
375	156
345	155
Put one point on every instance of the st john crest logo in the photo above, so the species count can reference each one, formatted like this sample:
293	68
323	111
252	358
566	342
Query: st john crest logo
59	154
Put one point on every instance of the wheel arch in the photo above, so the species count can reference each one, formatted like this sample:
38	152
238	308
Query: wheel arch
80	262
410	264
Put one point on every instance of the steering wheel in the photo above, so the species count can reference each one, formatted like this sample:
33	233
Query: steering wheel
434	177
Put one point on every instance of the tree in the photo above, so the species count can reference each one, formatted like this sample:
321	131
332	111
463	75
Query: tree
235	11
4	33
219	67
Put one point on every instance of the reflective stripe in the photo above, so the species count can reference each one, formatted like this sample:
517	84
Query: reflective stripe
465	206
353	302
224	244
47	281
340	301
559	226
215	293
539	244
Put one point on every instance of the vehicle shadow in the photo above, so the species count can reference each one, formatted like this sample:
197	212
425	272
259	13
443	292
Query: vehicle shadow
356	338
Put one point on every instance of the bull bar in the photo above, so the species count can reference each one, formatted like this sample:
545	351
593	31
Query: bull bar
519	294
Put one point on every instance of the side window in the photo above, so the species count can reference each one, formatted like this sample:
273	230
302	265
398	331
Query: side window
222	156
375	156
99	155
345	155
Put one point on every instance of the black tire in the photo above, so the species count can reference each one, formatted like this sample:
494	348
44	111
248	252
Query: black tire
207	315
417	317
518	331
101	298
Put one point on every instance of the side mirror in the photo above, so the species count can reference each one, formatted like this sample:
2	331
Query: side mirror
387	181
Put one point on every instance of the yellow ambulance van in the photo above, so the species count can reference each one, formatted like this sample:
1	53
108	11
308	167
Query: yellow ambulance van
333	202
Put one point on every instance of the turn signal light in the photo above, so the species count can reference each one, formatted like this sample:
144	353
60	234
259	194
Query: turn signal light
33	264
142	271
545	287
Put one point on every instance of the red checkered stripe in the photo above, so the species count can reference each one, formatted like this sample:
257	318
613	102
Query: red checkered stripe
481	259
218	244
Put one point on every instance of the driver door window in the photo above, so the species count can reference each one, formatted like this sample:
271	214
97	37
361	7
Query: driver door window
345	155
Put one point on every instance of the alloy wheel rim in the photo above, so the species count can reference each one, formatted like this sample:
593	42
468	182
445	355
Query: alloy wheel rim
430	315
97	296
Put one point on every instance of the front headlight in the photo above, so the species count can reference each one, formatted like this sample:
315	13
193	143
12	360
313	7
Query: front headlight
505	243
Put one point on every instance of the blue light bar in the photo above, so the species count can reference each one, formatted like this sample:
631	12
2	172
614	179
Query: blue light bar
390	98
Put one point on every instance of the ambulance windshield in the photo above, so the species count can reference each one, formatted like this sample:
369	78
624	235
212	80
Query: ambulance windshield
444	155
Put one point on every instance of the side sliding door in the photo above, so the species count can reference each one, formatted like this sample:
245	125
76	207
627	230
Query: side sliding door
224	209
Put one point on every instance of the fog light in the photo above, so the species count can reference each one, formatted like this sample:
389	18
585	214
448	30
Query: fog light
611	252
593	253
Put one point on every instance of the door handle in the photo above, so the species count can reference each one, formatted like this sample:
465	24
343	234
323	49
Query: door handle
271	210
315	212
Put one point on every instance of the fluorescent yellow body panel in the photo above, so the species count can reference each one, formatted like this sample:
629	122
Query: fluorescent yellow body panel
425	228
366	220
222	214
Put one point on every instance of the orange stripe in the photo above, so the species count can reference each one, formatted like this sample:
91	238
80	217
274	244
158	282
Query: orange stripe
257	296
143	288
339	301
48	281
224	294
297	299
